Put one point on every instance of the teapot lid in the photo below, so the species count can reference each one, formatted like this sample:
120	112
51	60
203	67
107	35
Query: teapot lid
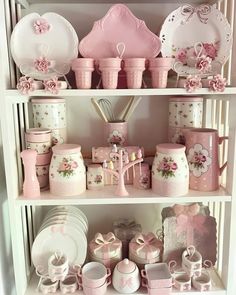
126	266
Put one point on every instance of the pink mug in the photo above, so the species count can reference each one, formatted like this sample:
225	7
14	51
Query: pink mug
202	146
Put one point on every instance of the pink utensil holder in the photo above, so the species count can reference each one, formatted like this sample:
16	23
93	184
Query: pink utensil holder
202	148
83	68
109	68
134	68
159	68
116	133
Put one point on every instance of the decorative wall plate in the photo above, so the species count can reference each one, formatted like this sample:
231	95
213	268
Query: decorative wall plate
119	25
43	46
188	28
62	238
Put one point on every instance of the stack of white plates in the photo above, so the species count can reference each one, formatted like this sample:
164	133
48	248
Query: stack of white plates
64	230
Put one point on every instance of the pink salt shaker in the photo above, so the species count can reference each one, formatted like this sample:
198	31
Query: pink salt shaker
141	176
31	185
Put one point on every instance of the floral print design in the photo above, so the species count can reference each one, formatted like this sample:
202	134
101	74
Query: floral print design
218	83
198	159
204	64
52	85
116	138
41	26
144	181
42	64
67	167
167	167
25	85
192	83
98	179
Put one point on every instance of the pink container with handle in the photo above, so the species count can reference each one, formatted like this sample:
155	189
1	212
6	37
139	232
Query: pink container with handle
202	148
83	68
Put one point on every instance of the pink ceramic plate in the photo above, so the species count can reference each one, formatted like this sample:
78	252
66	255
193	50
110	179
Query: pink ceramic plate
119	25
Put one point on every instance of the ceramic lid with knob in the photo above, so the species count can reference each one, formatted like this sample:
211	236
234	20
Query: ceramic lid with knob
126	266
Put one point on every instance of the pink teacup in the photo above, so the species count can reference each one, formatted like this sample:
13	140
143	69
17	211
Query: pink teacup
182	282
202	147
101	290
94	275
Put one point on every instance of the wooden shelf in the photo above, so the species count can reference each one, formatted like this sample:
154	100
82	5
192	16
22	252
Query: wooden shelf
217	288
106	197
15	97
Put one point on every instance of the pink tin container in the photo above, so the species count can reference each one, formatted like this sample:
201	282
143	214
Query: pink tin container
83	68
67	171
202	149
116	133
142	176
170	172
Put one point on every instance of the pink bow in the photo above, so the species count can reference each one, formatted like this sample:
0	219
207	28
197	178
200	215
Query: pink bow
189	210
148	244
201	11
57	229
126	282
190	223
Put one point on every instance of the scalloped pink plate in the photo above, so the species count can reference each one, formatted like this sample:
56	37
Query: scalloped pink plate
119	25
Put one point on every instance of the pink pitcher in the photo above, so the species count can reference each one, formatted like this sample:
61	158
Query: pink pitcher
202	146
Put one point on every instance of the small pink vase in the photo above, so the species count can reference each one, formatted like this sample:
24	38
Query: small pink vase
134	68
83	68
202	148
109	68
159	68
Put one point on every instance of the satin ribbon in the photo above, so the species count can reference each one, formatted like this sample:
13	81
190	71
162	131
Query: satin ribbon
189	224
147	244
189	210
202	11
126	282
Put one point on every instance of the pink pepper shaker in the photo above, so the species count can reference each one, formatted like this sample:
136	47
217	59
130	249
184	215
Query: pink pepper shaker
31	187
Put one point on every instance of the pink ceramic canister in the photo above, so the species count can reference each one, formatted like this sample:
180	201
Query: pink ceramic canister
40	139
202	149
116	133
159	68
67	171
51	113
142	176
95	177
134	68
170	172
184	112
83	68
109	68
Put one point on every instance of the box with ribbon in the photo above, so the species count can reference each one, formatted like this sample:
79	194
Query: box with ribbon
125	229
185	225
106	249
145	249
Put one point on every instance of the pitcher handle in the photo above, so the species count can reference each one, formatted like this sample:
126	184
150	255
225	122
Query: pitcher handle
221	139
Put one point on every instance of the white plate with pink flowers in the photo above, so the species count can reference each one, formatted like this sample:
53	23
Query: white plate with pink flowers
44	46
199	38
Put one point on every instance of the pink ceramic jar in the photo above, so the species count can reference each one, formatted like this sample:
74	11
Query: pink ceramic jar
67	171
170	172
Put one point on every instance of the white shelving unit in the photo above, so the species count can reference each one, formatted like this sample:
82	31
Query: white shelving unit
25	214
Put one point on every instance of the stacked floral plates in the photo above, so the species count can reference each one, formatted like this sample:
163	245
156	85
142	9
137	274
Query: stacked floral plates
64	230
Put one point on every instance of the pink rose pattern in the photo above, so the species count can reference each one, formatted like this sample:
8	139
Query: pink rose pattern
67	167
182	56
25	85
52	85
167	167
192	83
41	26
198	160
218	83
42	64
204	64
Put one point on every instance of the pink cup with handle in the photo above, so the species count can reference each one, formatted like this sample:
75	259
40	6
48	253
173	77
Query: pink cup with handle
202	148
83	68
134	68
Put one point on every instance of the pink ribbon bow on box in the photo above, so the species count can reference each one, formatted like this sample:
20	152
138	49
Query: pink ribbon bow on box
201	11
190	210
105	246
126	229
146	245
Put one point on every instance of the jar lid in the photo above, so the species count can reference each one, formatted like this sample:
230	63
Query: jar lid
48	100
126	266
186	99
170	148
94	166
65	148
